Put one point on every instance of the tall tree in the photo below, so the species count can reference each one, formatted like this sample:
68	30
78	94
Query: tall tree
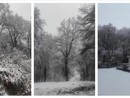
16	28
12	26
87	23
68	33
4	12
40	48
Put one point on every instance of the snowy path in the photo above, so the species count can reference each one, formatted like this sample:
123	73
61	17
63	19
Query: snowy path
113	82
64	88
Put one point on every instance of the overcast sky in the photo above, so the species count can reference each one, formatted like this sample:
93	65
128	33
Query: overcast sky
22	9
117	14
53	14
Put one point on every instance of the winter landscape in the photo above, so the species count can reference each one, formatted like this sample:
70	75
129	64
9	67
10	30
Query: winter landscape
64	52
15	49
114	49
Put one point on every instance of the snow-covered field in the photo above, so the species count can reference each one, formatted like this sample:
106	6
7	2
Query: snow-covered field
65	88
113	82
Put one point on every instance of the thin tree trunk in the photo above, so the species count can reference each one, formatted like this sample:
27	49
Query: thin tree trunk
45	73
66	68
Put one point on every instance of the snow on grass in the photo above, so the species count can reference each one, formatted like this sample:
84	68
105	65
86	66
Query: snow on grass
65	88
113	82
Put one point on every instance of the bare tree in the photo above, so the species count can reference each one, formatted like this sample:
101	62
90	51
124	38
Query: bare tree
87	23
68	33
40	47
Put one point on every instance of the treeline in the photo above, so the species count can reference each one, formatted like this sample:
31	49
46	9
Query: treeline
15	53
15	32
113	44
69	54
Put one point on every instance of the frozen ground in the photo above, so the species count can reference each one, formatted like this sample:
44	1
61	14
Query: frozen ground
65	88
113	82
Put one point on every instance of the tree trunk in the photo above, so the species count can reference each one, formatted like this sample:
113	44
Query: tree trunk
66	69
30	52
86	72
45	73
84	76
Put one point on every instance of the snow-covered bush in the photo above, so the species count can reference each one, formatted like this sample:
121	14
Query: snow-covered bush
15	73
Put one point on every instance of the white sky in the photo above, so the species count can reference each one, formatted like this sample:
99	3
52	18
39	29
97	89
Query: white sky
54	13
22	9
116	13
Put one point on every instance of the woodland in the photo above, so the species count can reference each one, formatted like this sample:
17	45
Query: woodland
15	53
114	47
70	55
64	64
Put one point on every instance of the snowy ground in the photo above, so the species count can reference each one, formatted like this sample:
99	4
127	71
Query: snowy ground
15	74
113	82
65	88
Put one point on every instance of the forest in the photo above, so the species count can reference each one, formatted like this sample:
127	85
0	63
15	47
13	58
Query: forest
70	55
15	53
72	50
114	47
